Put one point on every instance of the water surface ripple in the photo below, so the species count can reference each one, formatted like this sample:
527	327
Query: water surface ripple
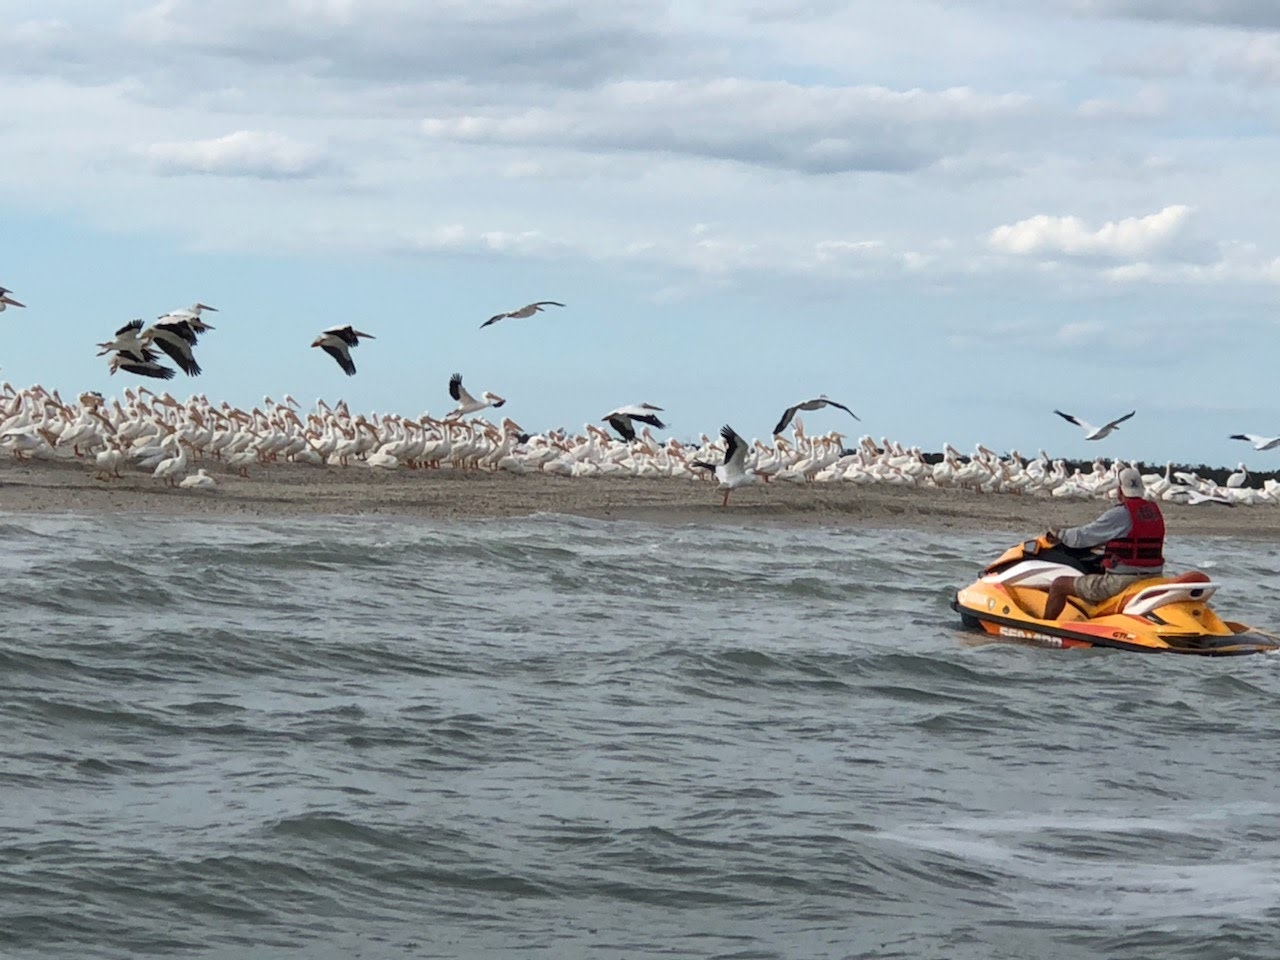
365	738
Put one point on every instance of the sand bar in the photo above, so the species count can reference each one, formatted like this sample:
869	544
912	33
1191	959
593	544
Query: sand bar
284	490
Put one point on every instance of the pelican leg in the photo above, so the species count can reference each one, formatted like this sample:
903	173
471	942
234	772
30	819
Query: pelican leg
725	502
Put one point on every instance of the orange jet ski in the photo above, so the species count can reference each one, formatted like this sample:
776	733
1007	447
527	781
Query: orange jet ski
1159	615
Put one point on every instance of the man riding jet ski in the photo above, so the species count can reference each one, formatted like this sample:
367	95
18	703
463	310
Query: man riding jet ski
1132	535
1101	585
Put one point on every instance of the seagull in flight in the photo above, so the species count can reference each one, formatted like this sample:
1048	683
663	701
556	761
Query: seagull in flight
8	301
816	404
622	419
528	310
1090	431
466	402
337	343
733	472
1259	443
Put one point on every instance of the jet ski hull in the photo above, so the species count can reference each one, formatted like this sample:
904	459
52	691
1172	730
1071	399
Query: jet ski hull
1160	615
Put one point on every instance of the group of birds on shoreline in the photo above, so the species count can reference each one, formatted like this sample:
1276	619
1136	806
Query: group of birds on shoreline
40	424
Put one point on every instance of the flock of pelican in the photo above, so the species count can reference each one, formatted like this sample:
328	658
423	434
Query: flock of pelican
179	442
155	432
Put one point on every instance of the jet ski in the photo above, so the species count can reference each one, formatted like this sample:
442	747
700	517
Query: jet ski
1159	615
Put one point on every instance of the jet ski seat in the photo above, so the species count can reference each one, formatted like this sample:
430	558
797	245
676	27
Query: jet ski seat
1117	603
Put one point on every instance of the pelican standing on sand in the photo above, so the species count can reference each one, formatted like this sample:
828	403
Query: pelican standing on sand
733	472
8	301
337	343
621	419
816	404
528	310
1090	431
466	402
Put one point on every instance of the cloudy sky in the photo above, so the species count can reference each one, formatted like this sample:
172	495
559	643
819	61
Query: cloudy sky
953	215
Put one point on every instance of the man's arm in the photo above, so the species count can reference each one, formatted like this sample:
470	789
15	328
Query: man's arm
1114	523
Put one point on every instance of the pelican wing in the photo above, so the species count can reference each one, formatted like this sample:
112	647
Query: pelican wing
785	419
494	319
622	424
1069	418
342	356
146	369
1119	420
180	352
458	391
841	406
133	326
735	451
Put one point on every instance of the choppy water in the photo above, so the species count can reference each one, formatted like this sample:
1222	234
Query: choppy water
562	738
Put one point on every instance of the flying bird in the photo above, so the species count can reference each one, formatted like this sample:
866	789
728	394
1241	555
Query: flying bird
8	301
141	362
127	338
622	419
817	404
1259	443
337	343
1090	431
466	402
191	315
177	338
733	472
528	310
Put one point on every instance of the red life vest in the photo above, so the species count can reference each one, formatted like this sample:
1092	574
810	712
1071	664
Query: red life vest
1143	545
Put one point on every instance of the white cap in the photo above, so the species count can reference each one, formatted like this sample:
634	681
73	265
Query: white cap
1131	484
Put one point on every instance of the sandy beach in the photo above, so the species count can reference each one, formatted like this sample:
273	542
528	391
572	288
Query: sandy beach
283	490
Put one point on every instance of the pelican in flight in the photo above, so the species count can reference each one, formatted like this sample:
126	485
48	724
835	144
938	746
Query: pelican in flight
733	472
528	310
621	419
8	301
466	402
128	339
177	338
816	404
1090	431
337	343
191	315
141	362
1259	443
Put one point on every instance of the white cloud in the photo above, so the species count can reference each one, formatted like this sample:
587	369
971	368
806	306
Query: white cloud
1255	61
245	153
1249	14
1134	238
1081	333
770	123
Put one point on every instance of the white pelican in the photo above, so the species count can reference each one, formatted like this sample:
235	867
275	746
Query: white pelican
141	362
169	466
528	310
733	472
466	402
1238	478
816	404
621	419
128	339
337	343
200	480
191	315
1090	431
8	301
1259	443
177	338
